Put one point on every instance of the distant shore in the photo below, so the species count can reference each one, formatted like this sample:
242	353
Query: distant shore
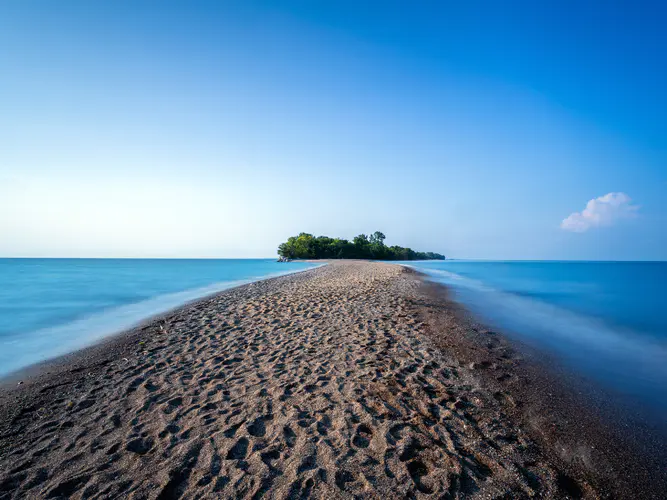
353	379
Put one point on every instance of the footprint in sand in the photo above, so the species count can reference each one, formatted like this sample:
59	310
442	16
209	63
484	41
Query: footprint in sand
362	438
239	450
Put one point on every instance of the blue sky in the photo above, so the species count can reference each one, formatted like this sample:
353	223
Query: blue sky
217	129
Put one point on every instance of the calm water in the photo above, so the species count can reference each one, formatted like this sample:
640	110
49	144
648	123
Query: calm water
607	320
50	307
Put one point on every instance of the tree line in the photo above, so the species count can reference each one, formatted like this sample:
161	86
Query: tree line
307	246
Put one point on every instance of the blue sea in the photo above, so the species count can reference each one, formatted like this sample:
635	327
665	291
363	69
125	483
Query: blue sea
604	320
50	307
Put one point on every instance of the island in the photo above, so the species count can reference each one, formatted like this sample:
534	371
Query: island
307	246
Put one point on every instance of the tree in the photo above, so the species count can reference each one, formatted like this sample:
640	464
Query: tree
377	238
307	246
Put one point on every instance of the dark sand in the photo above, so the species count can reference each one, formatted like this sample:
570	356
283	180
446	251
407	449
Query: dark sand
351	380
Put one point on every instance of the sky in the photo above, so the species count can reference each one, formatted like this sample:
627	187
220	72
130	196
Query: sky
490	130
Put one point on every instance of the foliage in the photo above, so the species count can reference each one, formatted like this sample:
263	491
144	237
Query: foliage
307	246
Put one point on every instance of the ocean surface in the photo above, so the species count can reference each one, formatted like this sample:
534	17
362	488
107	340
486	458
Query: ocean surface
50	307
606	320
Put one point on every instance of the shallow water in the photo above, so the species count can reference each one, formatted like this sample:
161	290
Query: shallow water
50	307
607	320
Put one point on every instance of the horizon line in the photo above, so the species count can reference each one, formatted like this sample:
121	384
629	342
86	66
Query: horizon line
297	260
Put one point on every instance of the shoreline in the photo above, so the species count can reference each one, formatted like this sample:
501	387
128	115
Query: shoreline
39	367
586	428
346	337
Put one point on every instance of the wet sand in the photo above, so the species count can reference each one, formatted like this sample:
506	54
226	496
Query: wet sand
351	380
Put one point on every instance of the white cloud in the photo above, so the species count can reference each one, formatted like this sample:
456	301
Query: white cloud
602	211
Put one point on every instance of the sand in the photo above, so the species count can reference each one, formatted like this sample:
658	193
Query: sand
338	382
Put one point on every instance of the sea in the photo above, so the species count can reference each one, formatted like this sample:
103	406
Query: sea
50	307
605	321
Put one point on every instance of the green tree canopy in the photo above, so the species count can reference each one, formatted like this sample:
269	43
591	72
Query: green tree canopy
307	246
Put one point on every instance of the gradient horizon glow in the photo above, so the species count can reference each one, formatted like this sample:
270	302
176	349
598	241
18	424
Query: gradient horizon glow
511	130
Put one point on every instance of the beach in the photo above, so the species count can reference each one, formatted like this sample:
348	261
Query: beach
352	380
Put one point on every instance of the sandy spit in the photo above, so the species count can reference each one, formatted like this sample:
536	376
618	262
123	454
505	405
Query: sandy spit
338	382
